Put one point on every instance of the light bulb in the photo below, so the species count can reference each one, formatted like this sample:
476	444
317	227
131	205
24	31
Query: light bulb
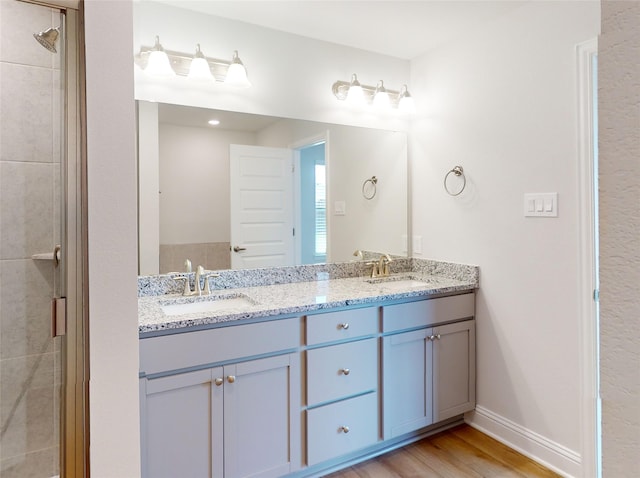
199	68
237	73
355	93
158	63
381	98
406	103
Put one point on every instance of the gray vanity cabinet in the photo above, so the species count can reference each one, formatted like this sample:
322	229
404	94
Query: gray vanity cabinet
428	372
236	420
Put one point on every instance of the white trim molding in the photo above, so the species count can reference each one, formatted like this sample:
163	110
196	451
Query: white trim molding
586	55
556	457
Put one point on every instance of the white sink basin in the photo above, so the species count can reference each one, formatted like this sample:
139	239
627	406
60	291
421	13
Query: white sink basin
404	284
398	282
210	304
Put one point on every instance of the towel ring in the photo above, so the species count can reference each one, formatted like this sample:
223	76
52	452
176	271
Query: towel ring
458	171
372	189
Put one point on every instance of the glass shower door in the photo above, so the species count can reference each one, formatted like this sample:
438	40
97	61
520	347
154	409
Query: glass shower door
32	120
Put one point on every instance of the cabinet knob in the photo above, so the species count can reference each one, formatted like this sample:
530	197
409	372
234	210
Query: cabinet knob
344	429
431	337
218	381
438	336
344	326
345	371
231	378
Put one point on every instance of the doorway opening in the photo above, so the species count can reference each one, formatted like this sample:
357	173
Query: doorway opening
312	227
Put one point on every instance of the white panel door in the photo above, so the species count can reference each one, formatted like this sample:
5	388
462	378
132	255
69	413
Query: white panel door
261	186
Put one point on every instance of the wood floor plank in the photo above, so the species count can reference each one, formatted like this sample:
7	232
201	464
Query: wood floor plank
375	469
407	465
461	452
446	464
473	457
502	453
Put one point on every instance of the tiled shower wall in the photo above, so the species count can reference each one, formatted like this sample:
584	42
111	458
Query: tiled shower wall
210	255
29	163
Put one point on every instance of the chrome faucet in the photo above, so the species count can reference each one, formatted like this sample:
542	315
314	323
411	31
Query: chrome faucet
198	290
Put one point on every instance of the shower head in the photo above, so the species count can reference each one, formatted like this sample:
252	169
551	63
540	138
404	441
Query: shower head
48	38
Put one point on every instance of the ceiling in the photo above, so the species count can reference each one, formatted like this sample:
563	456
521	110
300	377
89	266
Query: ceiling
402	29
199	117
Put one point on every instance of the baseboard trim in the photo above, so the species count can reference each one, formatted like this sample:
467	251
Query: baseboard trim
548	453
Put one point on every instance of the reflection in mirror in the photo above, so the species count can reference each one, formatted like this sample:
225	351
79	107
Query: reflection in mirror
257	191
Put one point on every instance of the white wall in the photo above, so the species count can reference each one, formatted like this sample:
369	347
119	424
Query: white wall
194	183
113	323
502	104
619	100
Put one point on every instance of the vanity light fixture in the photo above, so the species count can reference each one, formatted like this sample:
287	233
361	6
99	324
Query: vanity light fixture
381	99
199	68
378	96
406	103
158	62
355	93
237	73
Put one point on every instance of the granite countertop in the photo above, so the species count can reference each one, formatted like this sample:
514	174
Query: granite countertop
245	303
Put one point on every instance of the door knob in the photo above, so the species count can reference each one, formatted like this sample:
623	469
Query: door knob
238	249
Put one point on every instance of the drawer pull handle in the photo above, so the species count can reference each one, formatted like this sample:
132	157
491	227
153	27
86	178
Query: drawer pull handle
344	429
345	371
344	326
231	378
218	381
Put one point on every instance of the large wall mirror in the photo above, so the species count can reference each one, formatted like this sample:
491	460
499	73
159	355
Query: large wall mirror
259	191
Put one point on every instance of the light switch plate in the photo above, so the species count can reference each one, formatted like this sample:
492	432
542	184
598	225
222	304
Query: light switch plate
541	204
417	244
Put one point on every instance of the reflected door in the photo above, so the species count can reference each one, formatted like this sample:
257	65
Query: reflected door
261	186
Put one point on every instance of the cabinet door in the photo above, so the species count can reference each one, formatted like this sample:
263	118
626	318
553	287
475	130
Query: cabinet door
454	370
407	382
178	414
262	417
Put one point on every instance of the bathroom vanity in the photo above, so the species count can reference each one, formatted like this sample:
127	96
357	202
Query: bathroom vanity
303	378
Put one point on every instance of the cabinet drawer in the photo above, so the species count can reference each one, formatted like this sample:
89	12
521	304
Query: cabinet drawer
341	370
341	428
346	324
427	312
173	352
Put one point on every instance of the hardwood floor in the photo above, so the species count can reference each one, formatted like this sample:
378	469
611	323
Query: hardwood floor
460	452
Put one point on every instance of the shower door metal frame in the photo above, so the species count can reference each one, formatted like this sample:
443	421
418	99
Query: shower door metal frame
74	421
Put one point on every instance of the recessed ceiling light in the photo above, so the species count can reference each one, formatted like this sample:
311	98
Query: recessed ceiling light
214	122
